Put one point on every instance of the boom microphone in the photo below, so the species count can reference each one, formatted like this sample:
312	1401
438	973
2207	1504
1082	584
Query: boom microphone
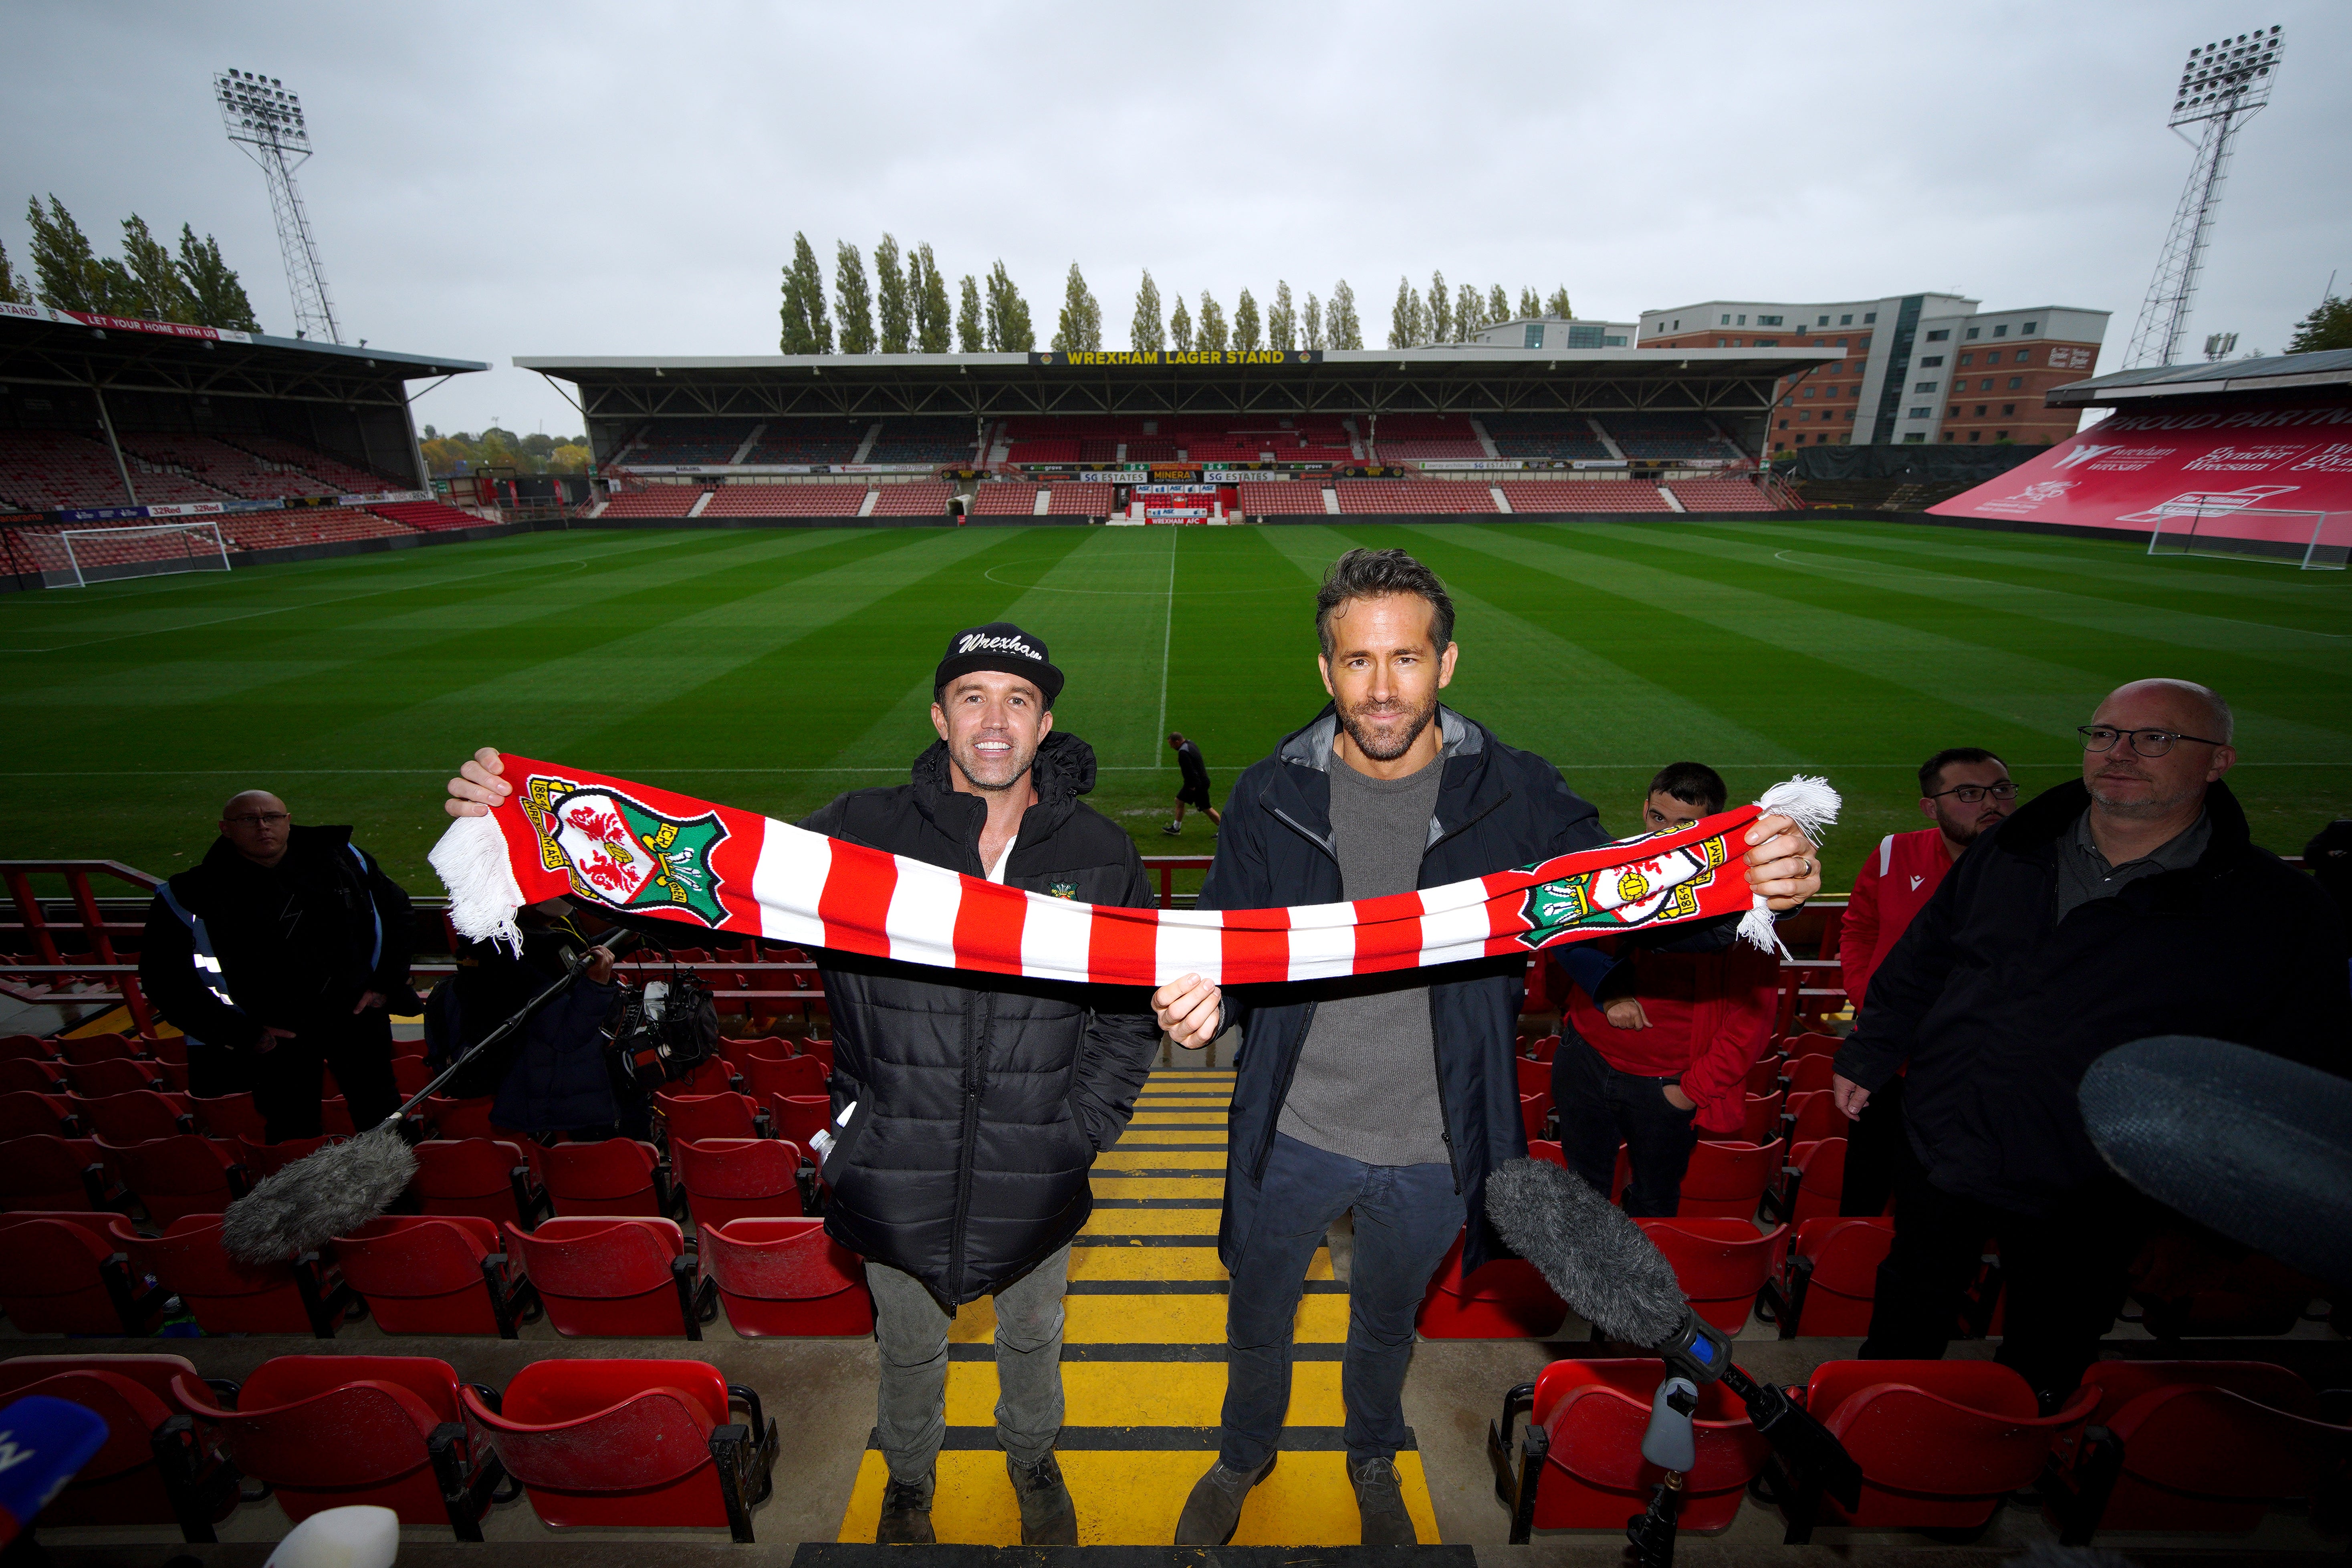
2251	1144
336	1189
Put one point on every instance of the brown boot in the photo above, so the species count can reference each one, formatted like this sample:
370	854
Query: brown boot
1048	1516
906	1514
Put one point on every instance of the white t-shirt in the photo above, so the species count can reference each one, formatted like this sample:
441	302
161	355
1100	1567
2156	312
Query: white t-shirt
996	872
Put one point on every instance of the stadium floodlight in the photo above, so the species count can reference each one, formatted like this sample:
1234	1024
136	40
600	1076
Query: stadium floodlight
2223	85
142	551
266	119
2220	345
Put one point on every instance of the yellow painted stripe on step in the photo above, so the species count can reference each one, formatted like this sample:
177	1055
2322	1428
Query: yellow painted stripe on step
1161	1160
1193	1097
1150	1319
1152	1137
1204	1189
1150	1222
1109	1260
1133	1498
1164	1394
1191	1118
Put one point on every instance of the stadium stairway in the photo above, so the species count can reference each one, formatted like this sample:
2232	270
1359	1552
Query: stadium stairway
1143	1365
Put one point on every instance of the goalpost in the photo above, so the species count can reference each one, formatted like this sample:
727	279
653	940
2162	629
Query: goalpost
2312	540
145	550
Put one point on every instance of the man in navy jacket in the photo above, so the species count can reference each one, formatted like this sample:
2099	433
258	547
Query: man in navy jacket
1395	1095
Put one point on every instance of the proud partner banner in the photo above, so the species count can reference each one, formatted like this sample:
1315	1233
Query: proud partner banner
567	833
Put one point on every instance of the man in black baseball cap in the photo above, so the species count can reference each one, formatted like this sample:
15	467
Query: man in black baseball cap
967	1111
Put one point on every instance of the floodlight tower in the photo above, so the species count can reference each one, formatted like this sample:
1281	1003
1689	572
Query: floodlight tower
266	119
2221	87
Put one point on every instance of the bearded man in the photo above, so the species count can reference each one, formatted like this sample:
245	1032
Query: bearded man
1392	1095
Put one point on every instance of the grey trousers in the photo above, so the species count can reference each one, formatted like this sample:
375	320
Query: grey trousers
913	1334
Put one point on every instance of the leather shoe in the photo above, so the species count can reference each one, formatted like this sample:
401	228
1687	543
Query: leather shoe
1379	1502
1047	1515
1215	1509
906	1514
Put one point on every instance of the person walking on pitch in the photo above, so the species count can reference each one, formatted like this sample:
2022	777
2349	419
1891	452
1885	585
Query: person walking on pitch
1195	791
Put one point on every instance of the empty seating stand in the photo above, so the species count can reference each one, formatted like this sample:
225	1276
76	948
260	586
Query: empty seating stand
63	1273
1280	498
943	440
1412	496
1549	496
617	1277
785	500
1589	1473
690	441
918	497
787	1276
427	515
435	1274
1720	495
226	1297
1086	499
655	500
1004	497
153	1469
1828	1277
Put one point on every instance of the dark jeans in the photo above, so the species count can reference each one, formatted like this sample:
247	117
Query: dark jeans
287	1088
1879	1160
1406	1217
2063	1274
1600	1107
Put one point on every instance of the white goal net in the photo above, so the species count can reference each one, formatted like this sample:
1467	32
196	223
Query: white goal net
143	550
2315	541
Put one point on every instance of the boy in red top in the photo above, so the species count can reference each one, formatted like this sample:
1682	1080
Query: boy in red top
1965	791
1655	1046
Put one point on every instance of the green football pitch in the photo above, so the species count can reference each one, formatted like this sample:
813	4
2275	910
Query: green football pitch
771	669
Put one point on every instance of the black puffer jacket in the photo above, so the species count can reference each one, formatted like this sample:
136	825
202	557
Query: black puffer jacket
2000	1010
980	1108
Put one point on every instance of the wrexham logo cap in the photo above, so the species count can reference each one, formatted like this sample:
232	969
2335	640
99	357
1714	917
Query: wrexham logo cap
1001	646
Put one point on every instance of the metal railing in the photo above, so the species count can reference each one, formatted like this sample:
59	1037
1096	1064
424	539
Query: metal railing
51	982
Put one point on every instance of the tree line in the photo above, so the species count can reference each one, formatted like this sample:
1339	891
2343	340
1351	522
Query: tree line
499	447
904	308
146	282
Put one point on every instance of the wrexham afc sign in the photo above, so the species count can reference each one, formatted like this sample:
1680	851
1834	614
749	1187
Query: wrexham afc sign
622	853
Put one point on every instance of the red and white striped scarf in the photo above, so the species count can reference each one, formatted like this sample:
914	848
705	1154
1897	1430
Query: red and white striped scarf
566	833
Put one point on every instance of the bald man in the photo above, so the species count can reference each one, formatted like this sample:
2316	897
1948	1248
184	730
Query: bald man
280	955
2130	903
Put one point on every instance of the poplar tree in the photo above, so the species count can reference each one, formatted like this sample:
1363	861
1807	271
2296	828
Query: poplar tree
1146	332
853	300
807	328
1009	327
1440	320
930	289
219	298
1498	306
145	274
892	300
1340	323
1469	314
1558	304
1212	332
1179	327
1282	320
1403	315
1080	326
71	275
14	289
971	331
1314	320
1245	322
1528	304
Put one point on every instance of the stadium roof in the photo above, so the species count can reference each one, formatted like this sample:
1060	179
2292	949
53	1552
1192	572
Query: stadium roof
2276	372
39	346
1288	380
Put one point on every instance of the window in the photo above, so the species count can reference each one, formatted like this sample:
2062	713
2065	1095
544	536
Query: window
1678	324
1810	391
1846	321
1926	385
1742	322
1985	385
2000	435
1869	318
1980	410
1941	334
1727	321
1863	345
1921	414
1955	414
1947	435
1804	416
2006	409
2015	382
2001	331
1784	423
2026	330
1820	342
1768	342
1973	332
1966	358
1975	435
1914	438
1768	320
1841	343
1822	323
1612	343
1930	362
1849	414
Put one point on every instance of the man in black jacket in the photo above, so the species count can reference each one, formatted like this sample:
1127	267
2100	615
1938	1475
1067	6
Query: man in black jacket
276	956
1391	1095
966	1117
1194	788
2132	903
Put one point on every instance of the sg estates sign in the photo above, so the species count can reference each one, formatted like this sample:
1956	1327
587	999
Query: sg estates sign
1152	358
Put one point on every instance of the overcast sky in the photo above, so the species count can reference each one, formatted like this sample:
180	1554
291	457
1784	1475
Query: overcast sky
583	179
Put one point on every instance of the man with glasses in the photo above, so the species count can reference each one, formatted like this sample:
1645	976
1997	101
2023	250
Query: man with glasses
279	955
2129	904
1965	791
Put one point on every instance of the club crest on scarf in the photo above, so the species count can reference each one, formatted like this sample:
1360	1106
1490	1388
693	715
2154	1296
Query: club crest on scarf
1640	892
618	851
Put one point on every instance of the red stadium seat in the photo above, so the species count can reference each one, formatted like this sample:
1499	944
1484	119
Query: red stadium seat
261	1159
1815	1116
47	1173
181	1175
1726	1181
787	1276
1812	1184
614	1176
1829	1275
410	1075
136	1117
62	1273
1535	1077
1534	1111
716	1076
820	1048
798	1117
764	1076
1940	1442
633	1444
1764	1078
229	1116
337	1431
33	1076
1721	1264
28	1047
455	1119
25	1114
98	1079
1595	1477
621	1276
1806	1074
2196	1446
1814	1044
435	1274
169	1049
477	1176
1763	1123
739	1178
704	1116
227	1297
1506	1300
91	1048
123	1482
739	1052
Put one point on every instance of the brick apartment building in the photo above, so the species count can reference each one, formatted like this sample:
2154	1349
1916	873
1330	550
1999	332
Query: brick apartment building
1922	368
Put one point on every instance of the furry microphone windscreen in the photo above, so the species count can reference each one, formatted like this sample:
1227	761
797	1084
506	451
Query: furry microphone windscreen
1592	1256
2258	1147
329	1193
